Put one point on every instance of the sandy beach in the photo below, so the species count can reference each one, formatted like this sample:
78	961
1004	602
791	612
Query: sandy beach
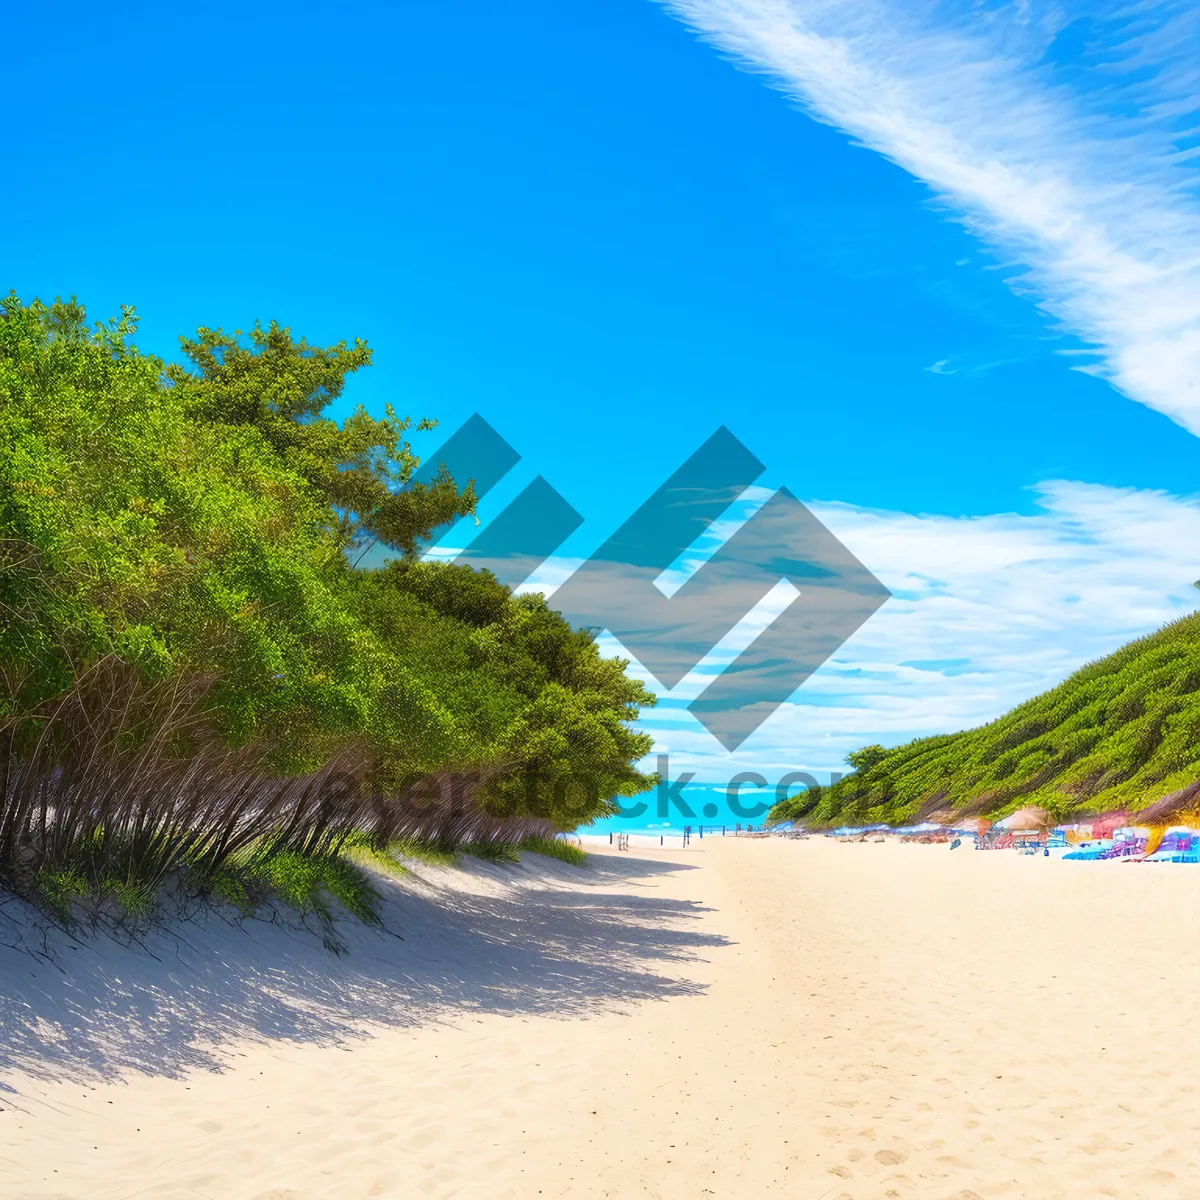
743	1019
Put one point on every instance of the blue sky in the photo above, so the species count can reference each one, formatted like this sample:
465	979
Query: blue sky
878	255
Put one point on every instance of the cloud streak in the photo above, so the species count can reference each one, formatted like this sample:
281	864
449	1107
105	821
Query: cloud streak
1063	139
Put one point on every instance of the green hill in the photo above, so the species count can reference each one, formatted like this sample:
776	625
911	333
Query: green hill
1121	732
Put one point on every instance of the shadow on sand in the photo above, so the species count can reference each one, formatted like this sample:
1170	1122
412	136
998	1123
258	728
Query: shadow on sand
543	938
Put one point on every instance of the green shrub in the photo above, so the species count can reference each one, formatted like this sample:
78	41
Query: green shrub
500	852
433	854
565	851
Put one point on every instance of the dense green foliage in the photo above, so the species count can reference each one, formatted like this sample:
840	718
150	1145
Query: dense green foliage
1119	733
192	665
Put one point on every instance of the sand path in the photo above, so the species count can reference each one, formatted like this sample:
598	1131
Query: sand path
748	1019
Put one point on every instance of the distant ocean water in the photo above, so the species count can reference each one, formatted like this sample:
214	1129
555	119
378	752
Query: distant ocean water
663	813
618	825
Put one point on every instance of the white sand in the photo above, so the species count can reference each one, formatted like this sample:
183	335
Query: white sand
745	1019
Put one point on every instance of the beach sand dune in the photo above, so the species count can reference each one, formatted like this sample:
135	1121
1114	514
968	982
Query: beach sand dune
743	1019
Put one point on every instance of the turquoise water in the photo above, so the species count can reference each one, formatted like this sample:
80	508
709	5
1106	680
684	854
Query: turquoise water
705	804
669	807
651	828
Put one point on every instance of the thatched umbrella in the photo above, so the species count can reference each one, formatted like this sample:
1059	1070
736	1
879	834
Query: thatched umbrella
1025	820
1181	807
970	824
1175	808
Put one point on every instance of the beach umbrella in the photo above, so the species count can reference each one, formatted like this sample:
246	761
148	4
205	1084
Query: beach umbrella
971	825
1183	805
1026	820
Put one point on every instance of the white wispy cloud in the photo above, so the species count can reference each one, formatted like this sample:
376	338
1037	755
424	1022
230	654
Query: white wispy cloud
986	612
1062	136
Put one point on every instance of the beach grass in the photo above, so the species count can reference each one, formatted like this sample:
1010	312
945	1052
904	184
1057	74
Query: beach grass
321	883
312	884
497	852
308	883
558	848
432	854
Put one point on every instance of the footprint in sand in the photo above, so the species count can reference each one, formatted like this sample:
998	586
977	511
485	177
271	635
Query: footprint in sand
889	1158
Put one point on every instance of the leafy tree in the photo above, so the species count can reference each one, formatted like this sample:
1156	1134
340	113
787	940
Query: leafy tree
182	610
865	759
279	387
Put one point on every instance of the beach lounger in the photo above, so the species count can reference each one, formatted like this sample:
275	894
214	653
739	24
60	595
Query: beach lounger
1177	848
1090	851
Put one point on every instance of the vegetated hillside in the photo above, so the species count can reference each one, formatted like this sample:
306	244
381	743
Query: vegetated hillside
1120	733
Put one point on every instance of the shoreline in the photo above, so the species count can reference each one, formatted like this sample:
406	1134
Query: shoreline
755	1018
